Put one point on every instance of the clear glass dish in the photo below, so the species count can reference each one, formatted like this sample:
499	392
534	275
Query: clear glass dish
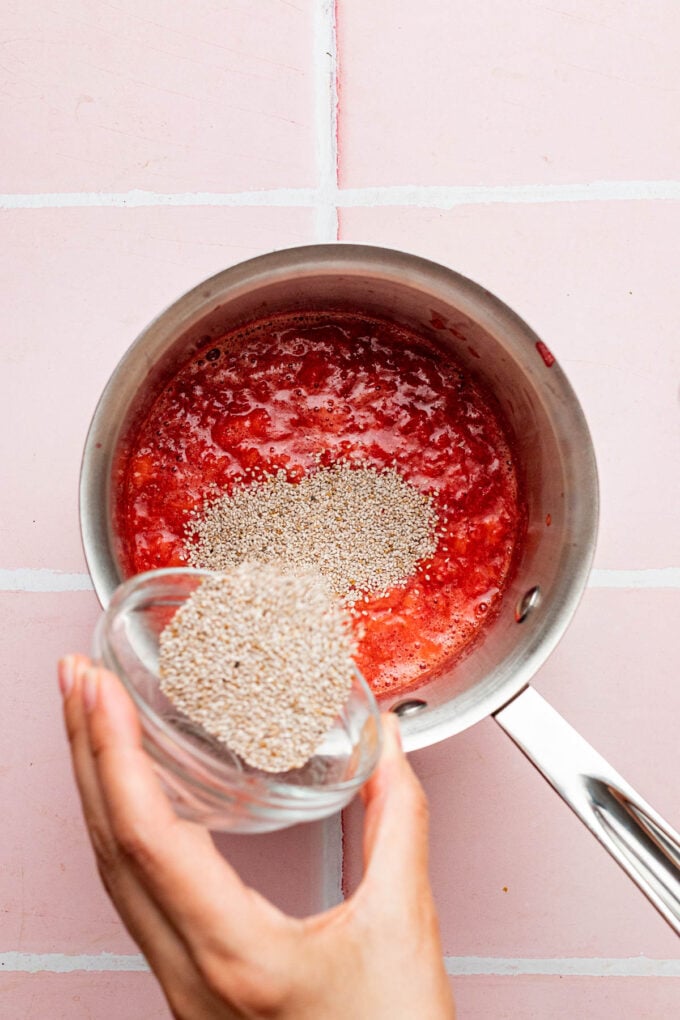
207	782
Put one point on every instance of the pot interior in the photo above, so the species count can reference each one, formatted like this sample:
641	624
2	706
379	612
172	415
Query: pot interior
544	422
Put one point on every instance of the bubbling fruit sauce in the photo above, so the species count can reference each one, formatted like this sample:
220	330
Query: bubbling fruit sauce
299	392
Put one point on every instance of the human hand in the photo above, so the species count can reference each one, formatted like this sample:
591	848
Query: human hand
220	950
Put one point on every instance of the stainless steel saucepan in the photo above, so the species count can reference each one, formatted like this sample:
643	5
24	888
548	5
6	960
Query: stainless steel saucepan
557	464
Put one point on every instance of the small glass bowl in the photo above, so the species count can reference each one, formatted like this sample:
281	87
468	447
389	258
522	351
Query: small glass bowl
207	782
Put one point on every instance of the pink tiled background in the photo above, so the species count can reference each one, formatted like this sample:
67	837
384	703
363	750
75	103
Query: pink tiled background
148	145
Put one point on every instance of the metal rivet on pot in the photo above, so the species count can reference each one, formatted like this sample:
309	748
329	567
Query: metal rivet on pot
528	601
409	707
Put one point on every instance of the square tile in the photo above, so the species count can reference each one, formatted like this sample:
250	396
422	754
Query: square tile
52	898
597	283
499	92
515	874
78	285
83	995
167	98
534	997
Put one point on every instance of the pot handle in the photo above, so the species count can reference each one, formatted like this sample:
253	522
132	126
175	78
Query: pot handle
645	846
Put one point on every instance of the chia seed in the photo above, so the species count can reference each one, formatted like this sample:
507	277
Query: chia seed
262	660
365	530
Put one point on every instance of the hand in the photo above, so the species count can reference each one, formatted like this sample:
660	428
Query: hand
218	948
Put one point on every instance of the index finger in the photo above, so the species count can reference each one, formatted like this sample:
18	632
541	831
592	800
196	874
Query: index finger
395	823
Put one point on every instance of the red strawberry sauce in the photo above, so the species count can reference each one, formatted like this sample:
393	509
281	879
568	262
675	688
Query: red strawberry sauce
288	389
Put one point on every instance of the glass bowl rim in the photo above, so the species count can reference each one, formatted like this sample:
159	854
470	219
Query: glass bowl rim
294	795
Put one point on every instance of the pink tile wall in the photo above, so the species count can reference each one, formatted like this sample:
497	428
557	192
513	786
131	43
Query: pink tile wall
555	998
498	92
101	99
169	98
83	996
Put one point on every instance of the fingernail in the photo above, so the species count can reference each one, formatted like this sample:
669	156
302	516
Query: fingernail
90	689
66	674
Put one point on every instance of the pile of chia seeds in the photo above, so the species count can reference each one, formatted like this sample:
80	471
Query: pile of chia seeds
364	529
262	660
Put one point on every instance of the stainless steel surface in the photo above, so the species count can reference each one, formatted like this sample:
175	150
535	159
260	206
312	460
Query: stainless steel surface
550	437
645	846
528	601
408	707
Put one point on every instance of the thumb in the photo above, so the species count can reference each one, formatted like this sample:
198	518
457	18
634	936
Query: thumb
396	820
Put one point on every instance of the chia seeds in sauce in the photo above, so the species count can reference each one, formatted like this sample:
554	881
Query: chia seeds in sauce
364	530
302	394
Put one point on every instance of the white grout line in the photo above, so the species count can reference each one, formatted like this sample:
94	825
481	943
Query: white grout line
568	966
460	966
444	197
331	861
285	197
62	963
659	577
27	579
42	580
326	120
327	197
